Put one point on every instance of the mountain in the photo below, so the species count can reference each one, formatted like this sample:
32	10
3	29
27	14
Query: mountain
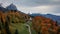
2	8
11	7
11	11
53	17
8	8
12	19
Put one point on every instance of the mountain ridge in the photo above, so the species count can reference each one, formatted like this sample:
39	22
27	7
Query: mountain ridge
53	17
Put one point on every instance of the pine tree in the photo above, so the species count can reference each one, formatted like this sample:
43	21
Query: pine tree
1	26
7	28
16	31
58	31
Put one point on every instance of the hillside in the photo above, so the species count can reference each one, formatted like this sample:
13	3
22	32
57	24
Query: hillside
13	21
10	19
43	25
53	17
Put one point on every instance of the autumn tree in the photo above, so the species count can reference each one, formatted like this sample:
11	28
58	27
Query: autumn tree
43	25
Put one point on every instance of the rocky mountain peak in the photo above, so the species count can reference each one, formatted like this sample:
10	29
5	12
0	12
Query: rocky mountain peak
11	7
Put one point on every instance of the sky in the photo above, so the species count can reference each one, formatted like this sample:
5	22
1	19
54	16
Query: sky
35	6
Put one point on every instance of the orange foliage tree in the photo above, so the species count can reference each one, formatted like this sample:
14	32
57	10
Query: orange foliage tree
43	25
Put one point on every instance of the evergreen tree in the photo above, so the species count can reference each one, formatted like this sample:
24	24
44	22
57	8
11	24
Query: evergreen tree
56	23
16	31
1	26
7	28
58	31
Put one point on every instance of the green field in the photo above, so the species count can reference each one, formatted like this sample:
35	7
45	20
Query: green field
22	29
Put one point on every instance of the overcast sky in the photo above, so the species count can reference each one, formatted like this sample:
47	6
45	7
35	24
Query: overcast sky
35	6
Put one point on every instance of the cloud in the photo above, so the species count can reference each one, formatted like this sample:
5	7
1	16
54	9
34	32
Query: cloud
55	9
41	9
33	3
35	6
6	2
41	6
